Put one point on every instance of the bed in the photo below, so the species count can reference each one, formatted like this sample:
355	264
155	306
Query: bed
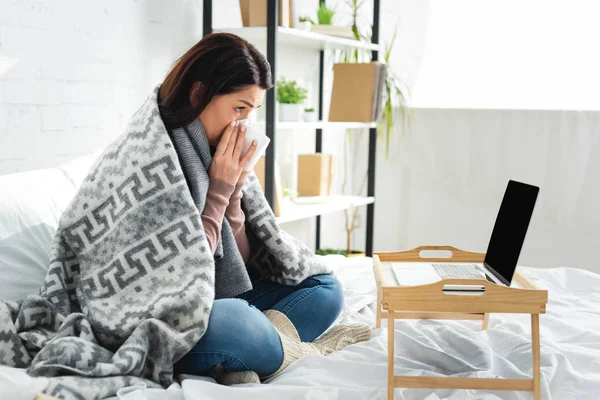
570	331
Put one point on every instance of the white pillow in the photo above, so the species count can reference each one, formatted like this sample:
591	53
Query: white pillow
77	169
31	204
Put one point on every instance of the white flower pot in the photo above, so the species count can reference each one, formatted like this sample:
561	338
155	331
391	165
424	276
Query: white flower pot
290	112
310	116
305	26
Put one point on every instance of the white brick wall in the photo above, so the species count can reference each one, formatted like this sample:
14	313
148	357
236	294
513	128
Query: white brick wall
80	70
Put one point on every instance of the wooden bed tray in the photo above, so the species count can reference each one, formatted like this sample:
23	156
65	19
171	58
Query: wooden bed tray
430	302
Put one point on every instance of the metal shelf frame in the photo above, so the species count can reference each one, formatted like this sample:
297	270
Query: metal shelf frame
272	29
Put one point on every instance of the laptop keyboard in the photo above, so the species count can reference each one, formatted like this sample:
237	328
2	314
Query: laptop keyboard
458	271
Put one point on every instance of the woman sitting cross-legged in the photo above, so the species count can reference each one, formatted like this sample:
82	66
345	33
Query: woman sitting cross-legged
266	314
168	259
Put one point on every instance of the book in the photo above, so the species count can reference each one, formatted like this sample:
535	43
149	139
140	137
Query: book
378	98
357	92
254	13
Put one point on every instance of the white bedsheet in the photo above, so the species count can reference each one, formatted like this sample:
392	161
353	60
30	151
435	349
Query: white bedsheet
570	350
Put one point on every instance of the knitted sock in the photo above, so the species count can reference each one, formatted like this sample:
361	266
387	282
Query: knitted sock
341	336
236	378
233	377
293	348
336	339
282	323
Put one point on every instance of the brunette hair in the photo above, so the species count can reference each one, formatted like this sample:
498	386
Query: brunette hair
223	63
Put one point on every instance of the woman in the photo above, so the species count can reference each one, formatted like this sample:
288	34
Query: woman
255	334
169	257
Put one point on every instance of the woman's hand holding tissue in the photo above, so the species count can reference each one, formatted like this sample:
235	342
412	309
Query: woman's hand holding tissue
228	164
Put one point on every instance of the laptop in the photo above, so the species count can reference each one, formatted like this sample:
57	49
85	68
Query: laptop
502	253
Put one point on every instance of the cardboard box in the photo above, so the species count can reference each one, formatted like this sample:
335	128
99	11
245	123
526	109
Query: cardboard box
357	92
254	13
314	174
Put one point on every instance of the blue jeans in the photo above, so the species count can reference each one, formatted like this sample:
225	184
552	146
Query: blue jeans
240	337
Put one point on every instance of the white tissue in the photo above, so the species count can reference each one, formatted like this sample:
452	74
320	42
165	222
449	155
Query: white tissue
262	143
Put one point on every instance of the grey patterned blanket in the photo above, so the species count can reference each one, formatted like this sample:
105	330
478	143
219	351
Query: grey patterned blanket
130	283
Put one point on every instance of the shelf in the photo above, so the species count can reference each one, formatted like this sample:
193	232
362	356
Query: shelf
299	38
318	125
294	212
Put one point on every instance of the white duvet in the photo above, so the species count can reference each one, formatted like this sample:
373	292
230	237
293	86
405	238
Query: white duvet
570	351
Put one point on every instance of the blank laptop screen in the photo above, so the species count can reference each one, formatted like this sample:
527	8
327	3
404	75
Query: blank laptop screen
509	230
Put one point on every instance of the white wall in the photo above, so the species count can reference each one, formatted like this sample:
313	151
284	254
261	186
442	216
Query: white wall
511	54
73	72
444	182
494	104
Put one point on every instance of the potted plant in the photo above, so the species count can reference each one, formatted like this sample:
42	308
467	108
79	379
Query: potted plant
289	193
305	23
325	14
290	97
394	106
309	115
394	113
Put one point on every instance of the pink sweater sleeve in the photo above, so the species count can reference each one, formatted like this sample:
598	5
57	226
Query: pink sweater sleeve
224	200
236	219
217	199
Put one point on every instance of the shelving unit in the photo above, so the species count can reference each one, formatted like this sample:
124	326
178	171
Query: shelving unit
290	37
296	212
277	37
320	125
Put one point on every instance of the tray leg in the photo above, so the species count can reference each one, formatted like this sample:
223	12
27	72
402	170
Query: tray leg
390	322
378	312
535	347
486	320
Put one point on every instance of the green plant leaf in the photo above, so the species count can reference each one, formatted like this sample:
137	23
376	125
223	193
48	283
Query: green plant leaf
325	14
325	252
307	19
289	193
289	93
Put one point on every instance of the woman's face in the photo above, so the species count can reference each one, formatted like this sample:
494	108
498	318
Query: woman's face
229	107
